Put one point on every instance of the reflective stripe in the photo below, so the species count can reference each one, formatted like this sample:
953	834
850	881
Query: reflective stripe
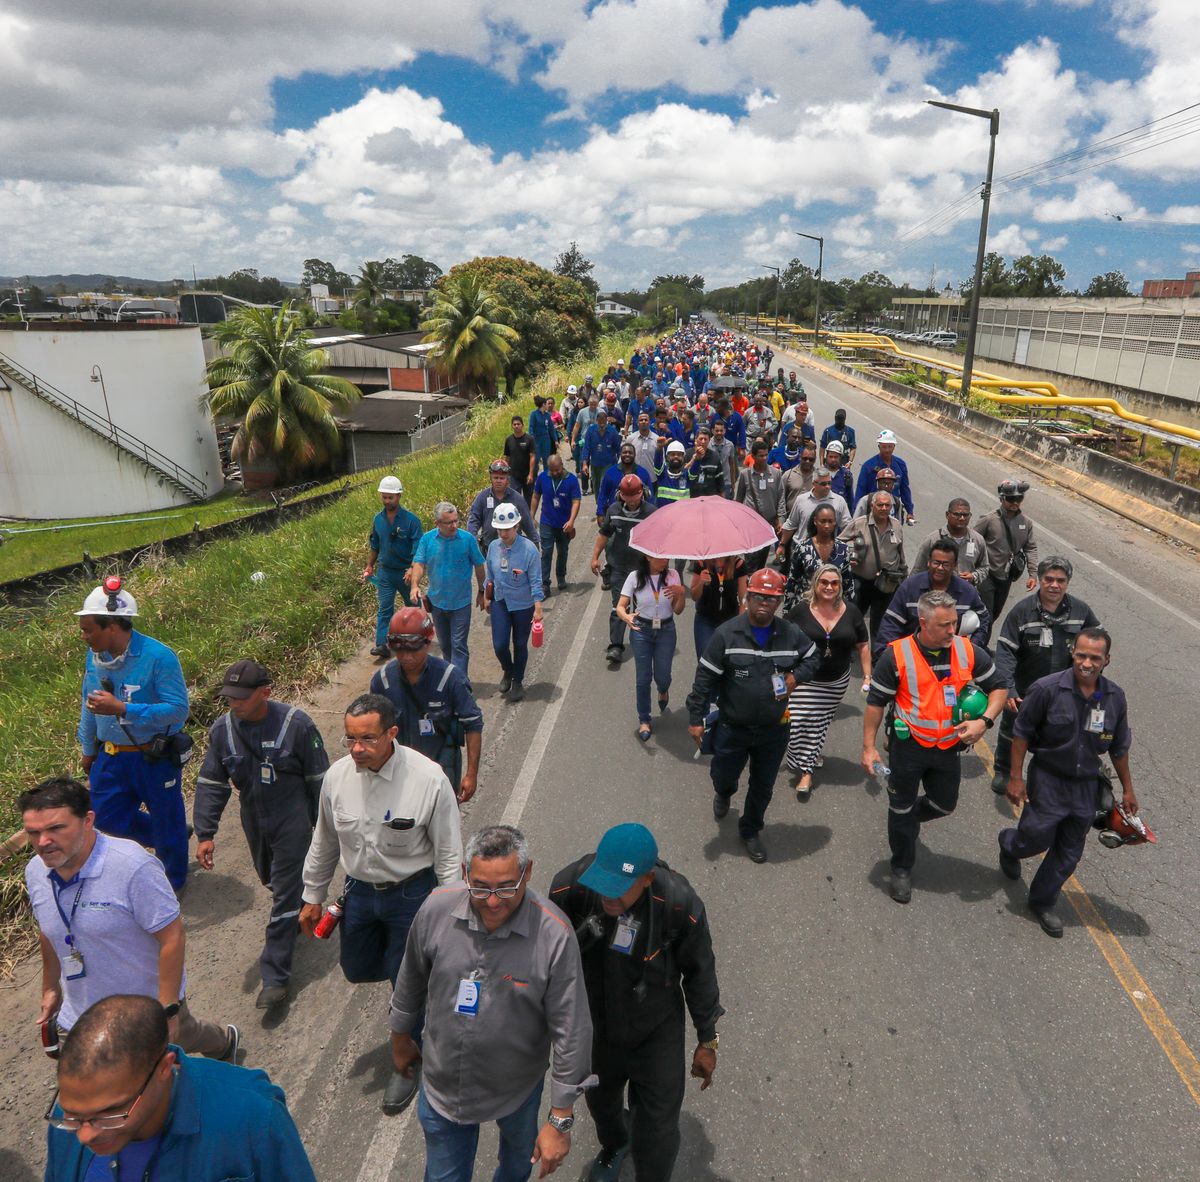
939	731
933	804
709	665
441	685
383	676
286	914
758	652
283	729
901	812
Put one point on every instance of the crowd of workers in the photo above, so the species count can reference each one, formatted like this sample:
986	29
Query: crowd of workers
614	958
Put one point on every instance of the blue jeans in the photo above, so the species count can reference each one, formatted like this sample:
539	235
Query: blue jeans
120	784
388	584
653	652
702	630
511	626
453	627
450	1147
375	927
553	539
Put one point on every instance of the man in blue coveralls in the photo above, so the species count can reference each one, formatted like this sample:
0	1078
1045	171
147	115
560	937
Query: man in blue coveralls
395	534
134	704
1067	720
436	713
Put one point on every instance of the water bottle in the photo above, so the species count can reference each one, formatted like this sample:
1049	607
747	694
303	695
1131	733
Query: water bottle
538	635
881	773
331	918
900	729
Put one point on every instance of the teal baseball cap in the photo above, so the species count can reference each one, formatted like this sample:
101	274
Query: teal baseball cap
625	853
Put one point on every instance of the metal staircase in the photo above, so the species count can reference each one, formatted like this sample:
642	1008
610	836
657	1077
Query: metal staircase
188	483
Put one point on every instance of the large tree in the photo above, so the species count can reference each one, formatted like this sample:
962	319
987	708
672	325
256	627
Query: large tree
470	330
1111	283
552	315
319	271
1040	276
270	379
574	264
410	272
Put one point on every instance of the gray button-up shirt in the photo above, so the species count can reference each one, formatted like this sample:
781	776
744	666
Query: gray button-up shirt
480	1067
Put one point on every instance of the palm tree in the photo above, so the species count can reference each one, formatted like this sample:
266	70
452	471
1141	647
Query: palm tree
468	329
372	284
271	379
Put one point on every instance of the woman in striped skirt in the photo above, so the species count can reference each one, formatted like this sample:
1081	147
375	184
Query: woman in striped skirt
837	628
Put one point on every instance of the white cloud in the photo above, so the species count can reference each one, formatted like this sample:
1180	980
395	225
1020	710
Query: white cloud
1010	240
1050	245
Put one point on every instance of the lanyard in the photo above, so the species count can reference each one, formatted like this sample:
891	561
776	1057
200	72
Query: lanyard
68	920
656	590
557	486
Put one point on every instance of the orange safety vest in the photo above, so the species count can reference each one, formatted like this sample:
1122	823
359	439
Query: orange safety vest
921	698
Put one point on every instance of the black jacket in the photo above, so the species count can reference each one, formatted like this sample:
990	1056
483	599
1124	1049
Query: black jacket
735	672
1021	658
671	962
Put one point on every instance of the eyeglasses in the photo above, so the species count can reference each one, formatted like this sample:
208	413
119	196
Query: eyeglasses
935	564
1015	500
504	892
959	513
350	742
407	643
107	1123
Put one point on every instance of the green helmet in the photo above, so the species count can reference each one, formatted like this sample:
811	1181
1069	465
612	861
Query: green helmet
972	702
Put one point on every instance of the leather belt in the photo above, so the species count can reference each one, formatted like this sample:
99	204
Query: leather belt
117	748
391	886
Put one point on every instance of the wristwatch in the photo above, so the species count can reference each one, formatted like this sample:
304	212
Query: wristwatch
564	1124
988	721
172	1009
712	1043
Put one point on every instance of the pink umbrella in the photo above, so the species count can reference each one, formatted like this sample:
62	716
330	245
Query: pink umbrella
706	527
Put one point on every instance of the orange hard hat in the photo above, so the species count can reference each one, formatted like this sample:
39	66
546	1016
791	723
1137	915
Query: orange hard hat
1122	828
766	582
411	628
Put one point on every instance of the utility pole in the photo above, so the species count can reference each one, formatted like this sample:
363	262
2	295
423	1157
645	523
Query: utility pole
778	273
820	241
993	118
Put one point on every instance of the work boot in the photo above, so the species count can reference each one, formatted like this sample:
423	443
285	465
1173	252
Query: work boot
517	693
1000	782
400	1090
380	650
901	886
506	683
607	1165
1051	924
613	653
720	805
755	848
1010	865
235	1044
271	995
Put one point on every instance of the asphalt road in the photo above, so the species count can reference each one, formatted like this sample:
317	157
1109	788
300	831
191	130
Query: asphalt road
947	1039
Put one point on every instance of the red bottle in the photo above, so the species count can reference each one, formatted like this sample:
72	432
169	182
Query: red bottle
539	634
331	918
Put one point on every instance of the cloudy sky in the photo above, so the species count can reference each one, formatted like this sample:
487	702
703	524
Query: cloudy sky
662	135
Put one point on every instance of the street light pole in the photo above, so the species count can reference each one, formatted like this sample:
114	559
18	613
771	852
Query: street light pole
820	268
993	118
98	376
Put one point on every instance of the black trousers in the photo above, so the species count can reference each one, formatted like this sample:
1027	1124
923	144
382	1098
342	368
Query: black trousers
915	767
616	626
994	594
764	748
1004	737
653	1070
871	602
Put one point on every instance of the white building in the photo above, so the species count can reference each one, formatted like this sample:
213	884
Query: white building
103	419
612	308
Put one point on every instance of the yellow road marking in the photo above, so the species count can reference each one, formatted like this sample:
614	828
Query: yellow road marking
1177	1051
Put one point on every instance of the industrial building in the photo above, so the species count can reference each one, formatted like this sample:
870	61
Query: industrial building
104	419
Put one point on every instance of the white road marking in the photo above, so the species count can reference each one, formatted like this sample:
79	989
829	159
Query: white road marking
390	1132
1062	542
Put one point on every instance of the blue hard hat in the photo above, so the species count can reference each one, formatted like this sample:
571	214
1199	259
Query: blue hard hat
625	853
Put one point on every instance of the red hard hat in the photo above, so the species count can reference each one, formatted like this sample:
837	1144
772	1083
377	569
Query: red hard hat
500	466
411	628
631	485
766	582
1124	828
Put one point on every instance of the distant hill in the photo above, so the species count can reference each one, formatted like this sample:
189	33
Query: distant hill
74	283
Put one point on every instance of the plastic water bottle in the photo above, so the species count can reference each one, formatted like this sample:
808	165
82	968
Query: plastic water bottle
538	636
881	773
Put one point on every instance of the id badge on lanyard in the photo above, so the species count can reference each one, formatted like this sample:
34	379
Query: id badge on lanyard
948	694
625	935
1095	722
467	1001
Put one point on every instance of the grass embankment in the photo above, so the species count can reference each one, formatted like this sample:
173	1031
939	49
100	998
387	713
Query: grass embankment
66	541
308	614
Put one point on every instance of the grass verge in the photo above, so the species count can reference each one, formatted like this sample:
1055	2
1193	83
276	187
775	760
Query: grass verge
308	613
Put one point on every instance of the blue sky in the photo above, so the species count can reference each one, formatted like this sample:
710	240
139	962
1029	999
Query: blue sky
661	135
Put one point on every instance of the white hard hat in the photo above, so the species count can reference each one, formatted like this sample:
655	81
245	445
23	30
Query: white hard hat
886	436
675	447
620	360
835	445
587	377
611	386
506	516
968	623
572	389
390	484
109	603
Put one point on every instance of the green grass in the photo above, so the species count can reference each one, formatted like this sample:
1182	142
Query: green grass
307	615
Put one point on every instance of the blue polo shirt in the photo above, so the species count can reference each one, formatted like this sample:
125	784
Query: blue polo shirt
556	499
396	540
450	564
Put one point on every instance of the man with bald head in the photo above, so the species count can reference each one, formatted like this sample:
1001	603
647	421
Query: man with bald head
132	1105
